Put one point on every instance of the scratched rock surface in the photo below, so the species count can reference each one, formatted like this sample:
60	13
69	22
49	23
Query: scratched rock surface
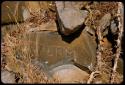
70	19
52	48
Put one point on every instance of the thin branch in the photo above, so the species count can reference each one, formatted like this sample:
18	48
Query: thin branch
118	41
92	76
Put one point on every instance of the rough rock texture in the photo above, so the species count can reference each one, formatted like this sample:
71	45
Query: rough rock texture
70	74
70	18
7	77
53	48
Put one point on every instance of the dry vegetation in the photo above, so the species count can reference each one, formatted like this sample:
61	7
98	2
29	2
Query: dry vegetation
13	61
13	47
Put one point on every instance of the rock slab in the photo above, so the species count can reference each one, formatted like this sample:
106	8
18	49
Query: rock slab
70	18
70	74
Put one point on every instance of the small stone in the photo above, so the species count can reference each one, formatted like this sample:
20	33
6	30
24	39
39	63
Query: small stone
113	27
70	19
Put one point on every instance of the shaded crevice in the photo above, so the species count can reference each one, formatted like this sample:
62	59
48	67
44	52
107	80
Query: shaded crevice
11	23
111	38
72	36
82	67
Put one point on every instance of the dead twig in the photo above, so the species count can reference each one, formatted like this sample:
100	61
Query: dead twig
118	41
99	37
92	76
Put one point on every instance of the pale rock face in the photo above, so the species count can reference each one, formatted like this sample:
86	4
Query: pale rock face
70	74
7	77
70	18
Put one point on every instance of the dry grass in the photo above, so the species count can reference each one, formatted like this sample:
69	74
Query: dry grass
105	55
16	57
99	9
43	15
22	64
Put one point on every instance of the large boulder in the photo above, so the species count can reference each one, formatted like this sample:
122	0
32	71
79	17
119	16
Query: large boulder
69	17
70	74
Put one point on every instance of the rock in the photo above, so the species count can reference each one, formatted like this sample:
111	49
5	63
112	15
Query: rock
113	27
54	48
21	10
49	26
7	77
90	30
70	74
78	4
104	23
18	10
70	19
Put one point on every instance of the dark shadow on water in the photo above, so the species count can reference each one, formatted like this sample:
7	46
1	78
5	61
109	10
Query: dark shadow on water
71	37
